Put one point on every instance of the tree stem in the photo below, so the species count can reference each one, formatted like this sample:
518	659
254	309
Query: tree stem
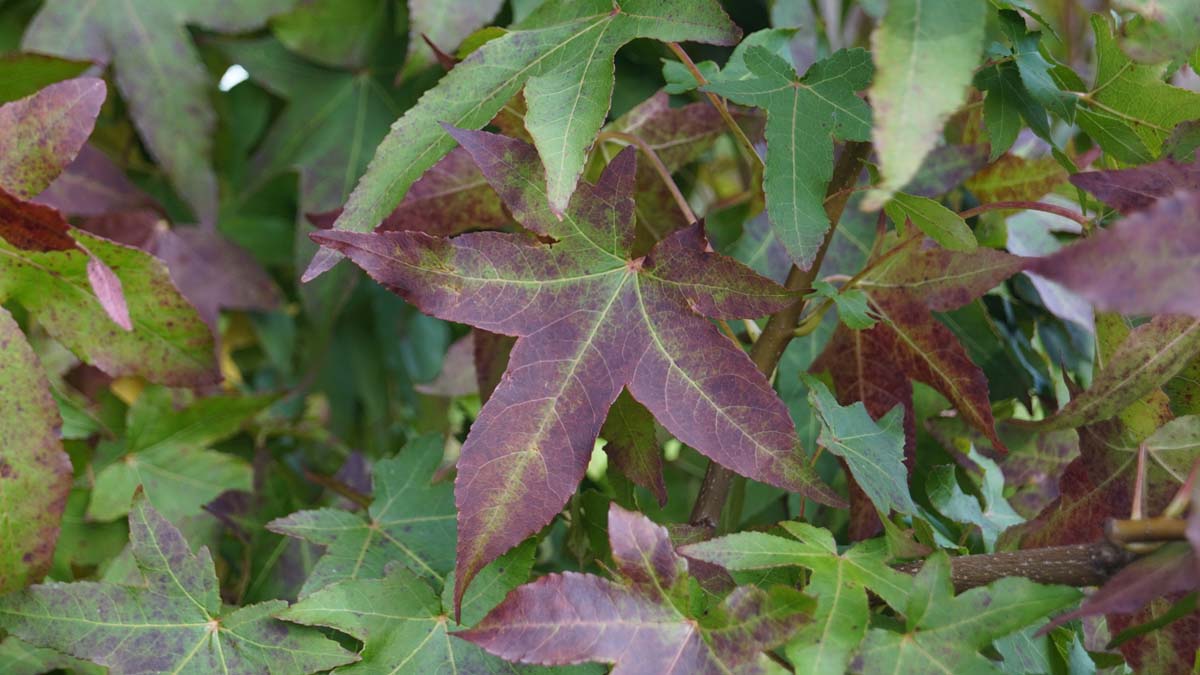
1076	565
779	329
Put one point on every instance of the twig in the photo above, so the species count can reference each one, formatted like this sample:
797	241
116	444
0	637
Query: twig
663	171
1075	565
1027	206
1135	531
339	487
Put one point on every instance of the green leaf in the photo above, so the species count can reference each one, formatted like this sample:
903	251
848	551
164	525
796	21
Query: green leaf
167	453
1035	68
562	56
410	520
337	33
940	223
20	658
633	446
24	74
851	303
995	516
1163	30
159	73
175	622
1007	101
804	116
35	473
874	451
925	52
839	582
945	632
445	23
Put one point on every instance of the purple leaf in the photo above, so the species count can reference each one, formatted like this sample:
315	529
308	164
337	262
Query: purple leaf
1136	189
93	185
41	134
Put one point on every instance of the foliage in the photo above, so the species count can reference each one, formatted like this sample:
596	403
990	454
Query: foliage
675	336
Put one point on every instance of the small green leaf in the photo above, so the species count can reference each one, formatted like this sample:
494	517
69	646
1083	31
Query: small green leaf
851	303
993	517
940	223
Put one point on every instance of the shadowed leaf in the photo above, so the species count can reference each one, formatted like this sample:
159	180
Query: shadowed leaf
1138	188
632	445
445	24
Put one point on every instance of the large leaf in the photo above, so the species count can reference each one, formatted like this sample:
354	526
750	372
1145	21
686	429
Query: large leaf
166	452
410	520
639	622
338	33
804	116
41	134
1137	188
925	52
562	57
158	72
590	321
35	473
173	622
1142	275
944	632
839	581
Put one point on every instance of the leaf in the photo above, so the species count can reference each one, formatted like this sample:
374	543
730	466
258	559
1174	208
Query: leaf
851	304
942	279
1163	30
169	343
589	321
167	452
445	24
1135	96
337	33
839	582
1152	354
632	445
22	74
945	167
410	520
1006	103
561	51
35	473
946	632
19	658
874	452
1142	276
1170	649
148	44
940	223
925	52
804	116
1139	188
639	622
41	134
1013	178
993	516
93	185
173	623
1035	70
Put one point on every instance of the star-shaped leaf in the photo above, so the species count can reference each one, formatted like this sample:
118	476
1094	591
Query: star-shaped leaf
804	116
639	622
410	520
166	451
591	320
562	56
35	473
173	622
839	581
148	44
944	632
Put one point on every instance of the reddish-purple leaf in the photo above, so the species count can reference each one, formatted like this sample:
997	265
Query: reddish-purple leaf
637	623
941	278
33	227
1147	261
93	185
42	133
945	168
35	473
591	320
108	291
1137	188
632	445
1172	649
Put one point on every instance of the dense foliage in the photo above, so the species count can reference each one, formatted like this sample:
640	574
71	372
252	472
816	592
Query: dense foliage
582	336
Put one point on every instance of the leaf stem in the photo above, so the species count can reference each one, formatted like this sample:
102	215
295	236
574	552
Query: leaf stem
718	103
706	512
659	167
1028	206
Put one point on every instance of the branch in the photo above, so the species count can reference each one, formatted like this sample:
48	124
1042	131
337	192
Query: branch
779	329
1076	565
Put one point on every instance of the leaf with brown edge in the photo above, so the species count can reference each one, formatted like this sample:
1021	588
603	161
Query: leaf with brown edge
1148	261
1137	188
639	622
35	473
1013	178
1150	356
149	46
42	133
589	321
632	445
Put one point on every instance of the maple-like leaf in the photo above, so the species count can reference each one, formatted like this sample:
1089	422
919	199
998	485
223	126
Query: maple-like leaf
1142	275
410	520
839	581
874	452
167	452
148	43
1138	188
591	320
561	56
171	622
35	473
944	632
990	511
924	52
804	116
639	622
41	134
